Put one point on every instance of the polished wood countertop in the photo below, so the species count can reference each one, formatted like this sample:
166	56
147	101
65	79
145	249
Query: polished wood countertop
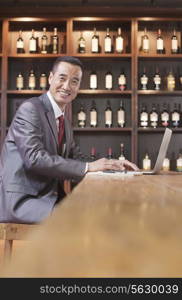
110	226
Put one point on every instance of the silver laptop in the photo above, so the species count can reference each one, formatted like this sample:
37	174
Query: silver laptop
161	155
160	158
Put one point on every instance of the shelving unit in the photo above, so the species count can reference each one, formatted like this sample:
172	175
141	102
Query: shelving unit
137	140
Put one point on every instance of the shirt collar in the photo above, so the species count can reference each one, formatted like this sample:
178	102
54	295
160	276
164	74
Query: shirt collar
57	111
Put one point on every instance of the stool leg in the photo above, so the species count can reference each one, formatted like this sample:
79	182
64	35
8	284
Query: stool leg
8	245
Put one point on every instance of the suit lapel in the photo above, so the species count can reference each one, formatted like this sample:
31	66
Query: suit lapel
52	124
49	113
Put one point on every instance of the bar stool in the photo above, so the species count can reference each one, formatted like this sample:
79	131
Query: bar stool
10	232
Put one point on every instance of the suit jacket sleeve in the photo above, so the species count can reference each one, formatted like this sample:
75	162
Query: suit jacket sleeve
29	134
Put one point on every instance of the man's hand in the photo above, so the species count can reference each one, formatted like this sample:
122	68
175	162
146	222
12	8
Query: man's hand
111	164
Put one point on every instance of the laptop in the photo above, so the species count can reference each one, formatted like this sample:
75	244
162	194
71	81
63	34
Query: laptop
160	158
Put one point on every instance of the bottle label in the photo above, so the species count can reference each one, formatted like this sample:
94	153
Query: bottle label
93	118
19	82
157	80
146	164
108	81
174	45
170	83
20	44
32	45
31	83
175	116
108	46
121	117
119	44
144	119
179	164
144	116
93	81
122	79
166	164
154	117
165	117
81	116
160	44
108	117
43	82
145	45
82	44
144	80
95	45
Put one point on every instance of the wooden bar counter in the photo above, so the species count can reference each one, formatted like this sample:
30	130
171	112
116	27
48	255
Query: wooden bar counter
110	226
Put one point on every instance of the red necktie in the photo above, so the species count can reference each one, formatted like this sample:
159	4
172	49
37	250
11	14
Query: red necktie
61	129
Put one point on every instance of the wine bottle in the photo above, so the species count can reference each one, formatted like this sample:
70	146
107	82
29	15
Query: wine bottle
107	42
33	43
146	164
143	119
179	163
95	42
175	117
44	42
19	81
108	81
145	42
119	42
174	43
81	44
164	116
31	80
122	81
93	154
43	81
160	43
157	80
108	115
93	81
109	153
144	80
121	115
55	41
166	164
81	116
170	81
93	115
153	117
20	43
122	156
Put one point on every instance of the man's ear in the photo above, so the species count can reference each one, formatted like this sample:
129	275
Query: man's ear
50	77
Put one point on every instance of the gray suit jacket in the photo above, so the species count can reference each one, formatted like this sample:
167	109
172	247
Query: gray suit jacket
30	166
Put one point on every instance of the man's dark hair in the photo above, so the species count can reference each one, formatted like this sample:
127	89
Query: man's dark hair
69	59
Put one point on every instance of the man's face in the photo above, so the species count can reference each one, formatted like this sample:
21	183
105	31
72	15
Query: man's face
65	83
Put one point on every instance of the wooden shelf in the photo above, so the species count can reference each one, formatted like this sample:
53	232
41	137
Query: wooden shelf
25	92
158	129
131	61
102	129
37	55
161	92
164	56
102	55
95	92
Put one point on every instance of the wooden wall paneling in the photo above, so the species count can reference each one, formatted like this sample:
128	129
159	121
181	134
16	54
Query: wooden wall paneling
4	78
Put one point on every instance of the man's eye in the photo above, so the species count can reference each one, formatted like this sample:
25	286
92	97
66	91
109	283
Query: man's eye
75	82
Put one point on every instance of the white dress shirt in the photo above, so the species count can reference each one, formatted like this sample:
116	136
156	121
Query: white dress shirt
58	113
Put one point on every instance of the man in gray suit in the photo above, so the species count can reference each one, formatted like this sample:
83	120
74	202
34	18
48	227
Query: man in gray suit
33	164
